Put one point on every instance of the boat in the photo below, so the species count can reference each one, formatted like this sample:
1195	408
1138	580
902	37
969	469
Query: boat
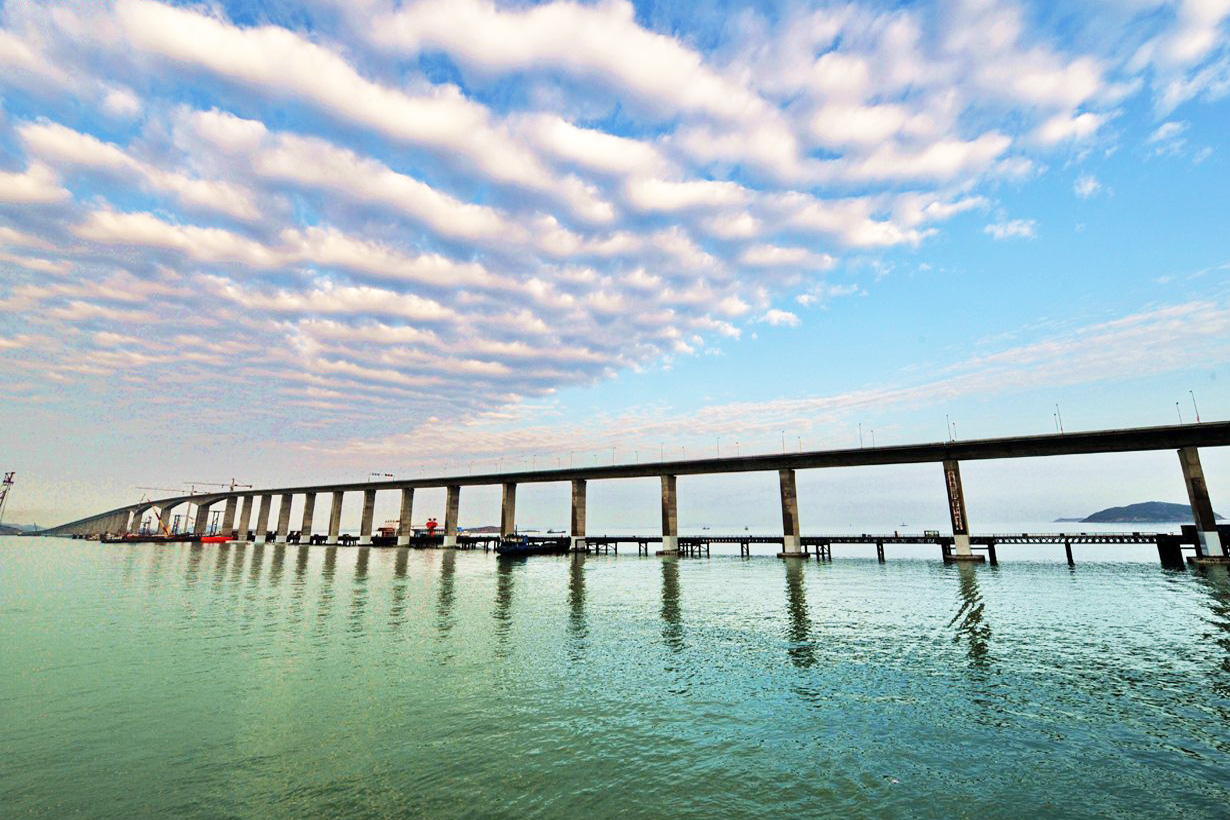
151	538
513	545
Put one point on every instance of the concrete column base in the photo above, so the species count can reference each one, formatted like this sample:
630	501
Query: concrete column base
670	545
1209	560
450	542
578	543
960	544
403	540
792	544
799	554
1210	544
971	558
365	540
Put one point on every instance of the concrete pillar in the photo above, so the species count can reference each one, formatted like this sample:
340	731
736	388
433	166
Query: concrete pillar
202	518
508	510
284	518
405	525
452	505
1202	509
956	512
245	519
670	516
578	514
309	511
369	511
228	515
166	519
335	517
792	544
262	517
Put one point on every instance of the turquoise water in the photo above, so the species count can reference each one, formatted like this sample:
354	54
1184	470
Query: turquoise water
260	681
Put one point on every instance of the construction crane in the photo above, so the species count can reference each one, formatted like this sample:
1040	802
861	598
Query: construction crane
231	486
4	492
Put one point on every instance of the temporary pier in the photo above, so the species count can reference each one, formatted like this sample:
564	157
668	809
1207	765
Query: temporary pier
1208	541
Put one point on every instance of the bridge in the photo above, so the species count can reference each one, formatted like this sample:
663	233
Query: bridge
961	545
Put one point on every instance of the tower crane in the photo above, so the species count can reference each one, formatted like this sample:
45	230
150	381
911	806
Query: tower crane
5	486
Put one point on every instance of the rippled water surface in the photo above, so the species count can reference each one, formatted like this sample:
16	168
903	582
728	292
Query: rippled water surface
264	681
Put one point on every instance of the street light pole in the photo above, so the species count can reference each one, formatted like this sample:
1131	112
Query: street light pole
1194	407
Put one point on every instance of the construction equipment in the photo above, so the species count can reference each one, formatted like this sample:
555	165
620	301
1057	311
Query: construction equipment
231	486
5	486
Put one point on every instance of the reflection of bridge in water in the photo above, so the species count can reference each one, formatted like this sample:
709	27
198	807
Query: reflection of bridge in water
1206	538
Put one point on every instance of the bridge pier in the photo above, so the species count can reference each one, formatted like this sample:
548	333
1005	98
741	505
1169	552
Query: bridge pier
508	510
365	523
792	546
245	519
284	518
335	518
670	516
309	512
262	518
405	526
578	515
956	514
165	519
228	515
452	505
202	518
1209	544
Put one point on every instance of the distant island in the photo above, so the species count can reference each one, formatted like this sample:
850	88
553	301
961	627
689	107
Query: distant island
1148	512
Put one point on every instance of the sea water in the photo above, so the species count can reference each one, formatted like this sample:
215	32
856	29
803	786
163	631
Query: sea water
258	681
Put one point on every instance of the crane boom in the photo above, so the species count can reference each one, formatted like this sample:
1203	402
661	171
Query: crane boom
4	491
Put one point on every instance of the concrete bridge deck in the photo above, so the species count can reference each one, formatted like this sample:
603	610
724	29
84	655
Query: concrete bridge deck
1186	439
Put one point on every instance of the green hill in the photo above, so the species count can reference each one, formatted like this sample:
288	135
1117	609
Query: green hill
1148	512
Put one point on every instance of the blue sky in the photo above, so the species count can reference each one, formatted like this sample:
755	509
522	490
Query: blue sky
290	242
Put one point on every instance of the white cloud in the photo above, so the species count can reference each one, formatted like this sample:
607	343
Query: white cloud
63	146
822	293
650	194
37	185
121	103
1012	229
286	64
783	256
1086	186
1168	138
779	318
601	41
1069	127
